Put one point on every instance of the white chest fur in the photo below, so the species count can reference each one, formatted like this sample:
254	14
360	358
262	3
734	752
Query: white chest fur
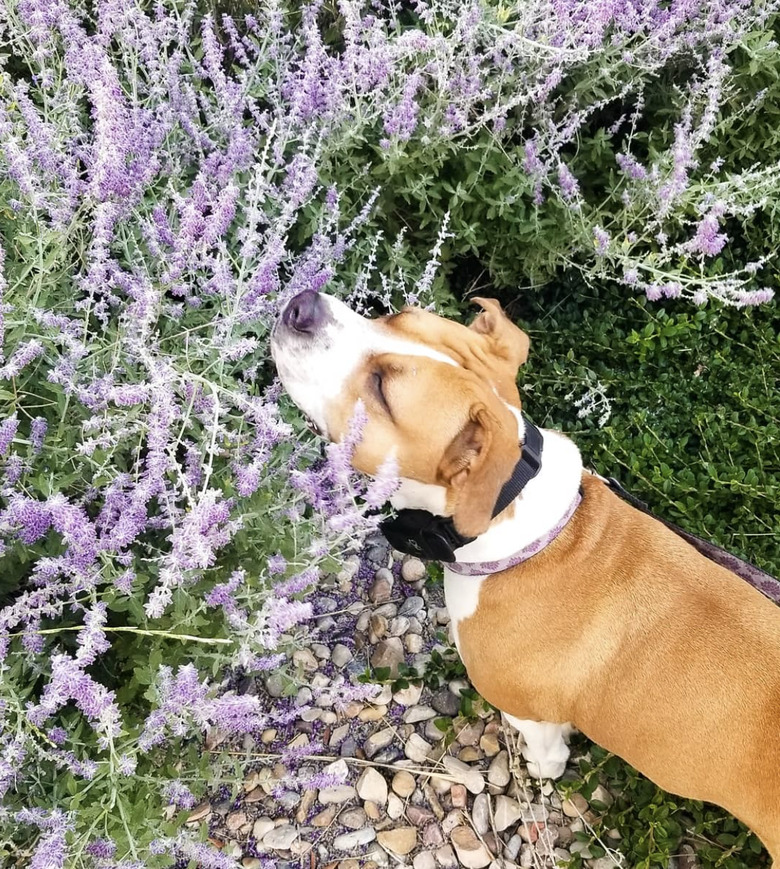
538	510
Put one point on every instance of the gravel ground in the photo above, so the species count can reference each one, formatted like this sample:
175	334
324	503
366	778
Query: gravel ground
423	785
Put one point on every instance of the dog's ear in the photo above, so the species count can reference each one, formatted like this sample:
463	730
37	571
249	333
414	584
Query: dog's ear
508	341
474	467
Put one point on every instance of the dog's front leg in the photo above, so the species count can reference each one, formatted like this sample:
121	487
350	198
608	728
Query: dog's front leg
545	750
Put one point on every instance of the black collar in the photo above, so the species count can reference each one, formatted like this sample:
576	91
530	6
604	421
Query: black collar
435	538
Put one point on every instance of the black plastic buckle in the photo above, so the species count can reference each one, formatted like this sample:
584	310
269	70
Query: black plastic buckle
420	533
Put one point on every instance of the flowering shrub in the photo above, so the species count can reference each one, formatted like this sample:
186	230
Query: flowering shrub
171	180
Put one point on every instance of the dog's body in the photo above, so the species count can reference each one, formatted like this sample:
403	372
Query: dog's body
618	626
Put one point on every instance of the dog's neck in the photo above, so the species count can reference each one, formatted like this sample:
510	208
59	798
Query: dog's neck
537	510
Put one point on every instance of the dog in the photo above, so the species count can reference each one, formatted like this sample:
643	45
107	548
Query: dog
610	622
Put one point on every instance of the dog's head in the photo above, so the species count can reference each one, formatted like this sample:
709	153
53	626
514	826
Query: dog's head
440	397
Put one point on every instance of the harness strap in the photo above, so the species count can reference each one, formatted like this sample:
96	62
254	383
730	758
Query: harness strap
767	584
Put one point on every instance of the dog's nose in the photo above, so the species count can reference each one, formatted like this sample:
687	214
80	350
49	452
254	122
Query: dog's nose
304	312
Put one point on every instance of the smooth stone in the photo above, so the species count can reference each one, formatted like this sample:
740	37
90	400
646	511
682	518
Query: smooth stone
380	590
489	743
480	813
459	796
412	569
388	654
432	836
418	815
424	860
574	806
338	794
470	733
377	741
354	819
398	626
408	696
411	606
472	854
445	857
308	799
399	841
403	784
395	807
498	771
280	838
372	786
415	714
417	748
465	774
341	655
445	703
324	818
507	811
413	643
262	826
350	841
338	735
235	820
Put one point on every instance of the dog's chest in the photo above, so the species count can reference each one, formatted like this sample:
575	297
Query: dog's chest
461	594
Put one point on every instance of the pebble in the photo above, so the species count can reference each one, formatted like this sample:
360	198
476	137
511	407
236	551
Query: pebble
261	827
424	860
377	741
446	703
574	806
350	841
498	771
395	807
337	794
507	811
480	813
388	654
412	569
341	655
418	815
432	836
324	818
235	820
465	774
445	857
418	713
472	854
372	786
403	784
280	838
470	733
353	819
399	841
417	748
458	795
413	643
408	696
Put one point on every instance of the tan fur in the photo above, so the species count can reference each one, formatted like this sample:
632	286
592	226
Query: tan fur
654	652
619	626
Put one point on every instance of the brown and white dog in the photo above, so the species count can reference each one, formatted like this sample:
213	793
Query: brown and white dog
618	627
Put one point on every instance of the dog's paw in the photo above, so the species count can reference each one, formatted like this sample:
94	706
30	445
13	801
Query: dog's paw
547	768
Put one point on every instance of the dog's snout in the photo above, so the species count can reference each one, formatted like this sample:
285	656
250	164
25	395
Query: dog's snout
305	312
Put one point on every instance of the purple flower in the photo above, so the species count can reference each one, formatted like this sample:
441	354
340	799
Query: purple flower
708	240
567	182
22	356
601	240
631	167
401	120
51	851
176	793
38	430
7	432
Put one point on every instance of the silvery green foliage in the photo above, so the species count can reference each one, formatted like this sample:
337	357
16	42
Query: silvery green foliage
163	196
